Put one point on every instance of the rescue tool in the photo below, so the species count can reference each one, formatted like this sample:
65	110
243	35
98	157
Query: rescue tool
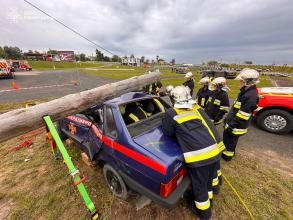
57	146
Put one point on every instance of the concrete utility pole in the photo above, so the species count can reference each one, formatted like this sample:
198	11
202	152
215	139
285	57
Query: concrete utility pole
20	121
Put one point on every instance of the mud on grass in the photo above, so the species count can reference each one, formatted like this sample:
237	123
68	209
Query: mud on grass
42	189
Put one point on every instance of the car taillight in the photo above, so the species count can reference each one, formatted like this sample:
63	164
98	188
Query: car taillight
168	188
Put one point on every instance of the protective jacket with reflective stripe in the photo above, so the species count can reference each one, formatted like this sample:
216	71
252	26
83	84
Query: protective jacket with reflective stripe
203	95
197	144
217	105
211	127
237	120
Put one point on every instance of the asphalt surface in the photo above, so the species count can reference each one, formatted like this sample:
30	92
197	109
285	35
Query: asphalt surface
271	148
53	84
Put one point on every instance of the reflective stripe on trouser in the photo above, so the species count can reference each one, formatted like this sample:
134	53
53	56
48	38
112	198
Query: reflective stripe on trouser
219	173
211	195
216	177
224	108
243	115
230	142
216	181
201	181
237	131
237	105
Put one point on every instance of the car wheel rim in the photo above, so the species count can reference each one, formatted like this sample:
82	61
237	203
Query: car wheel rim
275	122
114	183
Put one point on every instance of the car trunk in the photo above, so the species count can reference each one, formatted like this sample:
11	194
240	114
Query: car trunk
164	148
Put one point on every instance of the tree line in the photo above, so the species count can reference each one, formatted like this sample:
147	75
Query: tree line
14	53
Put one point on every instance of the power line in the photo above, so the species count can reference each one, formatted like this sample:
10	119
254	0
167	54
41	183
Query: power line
69	28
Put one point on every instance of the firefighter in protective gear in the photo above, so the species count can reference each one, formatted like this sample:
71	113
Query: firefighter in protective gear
218	102
237	120
217	176
203	93
189	82
197	142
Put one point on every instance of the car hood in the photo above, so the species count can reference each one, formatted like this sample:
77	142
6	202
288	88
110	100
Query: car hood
160	145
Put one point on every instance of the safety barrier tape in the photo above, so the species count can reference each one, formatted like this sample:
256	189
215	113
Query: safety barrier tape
36	87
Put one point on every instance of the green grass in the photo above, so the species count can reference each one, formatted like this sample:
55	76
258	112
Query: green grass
47	65
124	74
169	78
4	107
42	189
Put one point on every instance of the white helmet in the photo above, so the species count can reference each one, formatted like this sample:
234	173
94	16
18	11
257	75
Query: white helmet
188	75
169	88
219	81
204	80
249	76
181	96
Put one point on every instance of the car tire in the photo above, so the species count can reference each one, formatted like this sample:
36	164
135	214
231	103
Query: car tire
275	121
115	182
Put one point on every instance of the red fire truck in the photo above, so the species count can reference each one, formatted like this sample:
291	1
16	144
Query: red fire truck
275	111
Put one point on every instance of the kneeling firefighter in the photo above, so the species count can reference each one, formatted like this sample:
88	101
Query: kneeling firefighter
237	120
200	149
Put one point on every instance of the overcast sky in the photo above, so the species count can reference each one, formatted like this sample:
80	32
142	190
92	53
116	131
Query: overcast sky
191	31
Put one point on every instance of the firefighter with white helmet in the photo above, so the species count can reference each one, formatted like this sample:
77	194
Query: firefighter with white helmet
189	82
216	107
237	120
169	89
199	145
218	102
203	93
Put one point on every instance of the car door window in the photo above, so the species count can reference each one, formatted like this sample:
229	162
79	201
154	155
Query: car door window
110	126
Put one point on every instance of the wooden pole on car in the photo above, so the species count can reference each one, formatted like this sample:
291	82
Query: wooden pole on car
20	121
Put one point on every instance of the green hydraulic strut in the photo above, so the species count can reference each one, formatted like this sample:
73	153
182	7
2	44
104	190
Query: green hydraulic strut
56	142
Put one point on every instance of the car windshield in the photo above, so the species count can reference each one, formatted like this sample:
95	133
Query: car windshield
142	115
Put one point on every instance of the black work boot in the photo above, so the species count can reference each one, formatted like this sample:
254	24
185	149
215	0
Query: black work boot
226	158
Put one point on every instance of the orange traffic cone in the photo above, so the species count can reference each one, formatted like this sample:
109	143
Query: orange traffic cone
14	85
74	82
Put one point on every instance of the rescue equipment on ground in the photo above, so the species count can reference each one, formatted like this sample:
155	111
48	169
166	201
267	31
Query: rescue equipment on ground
57	147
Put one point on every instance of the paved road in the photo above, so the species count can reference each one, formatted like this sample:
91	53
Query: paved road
47	78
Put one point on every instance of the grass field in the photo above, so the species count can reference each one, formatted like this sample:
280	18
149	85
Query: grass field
42	189
36	186
46	65
169	78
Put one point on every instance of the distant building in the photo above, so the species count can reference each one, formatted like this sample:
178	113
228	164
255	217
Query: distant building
131	61
65	56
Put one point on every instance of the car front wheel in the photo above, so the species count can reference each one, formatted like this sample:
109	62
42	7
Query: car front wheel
115	182
275	121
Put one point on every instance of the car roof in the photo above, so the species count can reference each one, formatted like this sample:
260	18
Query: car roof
127	97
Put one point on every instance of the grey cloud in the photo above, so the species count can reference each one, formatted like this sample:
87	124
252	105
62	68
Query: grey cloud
190	31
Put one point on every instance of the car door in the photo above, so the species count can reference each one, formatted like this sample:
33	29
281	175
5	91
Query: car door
77	128
96	133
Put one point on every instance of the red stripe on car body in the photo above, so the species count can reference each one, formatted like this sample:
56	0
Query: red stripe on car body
122	149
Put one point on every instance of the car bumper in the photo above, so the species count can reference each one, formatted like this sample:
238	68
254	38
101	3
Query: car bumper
168	202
